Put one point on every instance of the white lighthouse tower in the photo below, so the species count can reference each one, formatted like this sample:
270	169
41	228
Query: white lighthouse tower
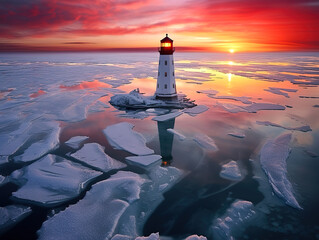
166	86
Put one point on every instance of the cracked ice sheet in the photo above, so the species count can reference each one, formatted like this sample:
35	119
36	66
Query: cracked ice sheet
75	142
273	157
205	142
230	171
11	215
43	146
196	110
52	180
93	154
280	91
166	117
235	218
122	137
305	128
144	161
102	206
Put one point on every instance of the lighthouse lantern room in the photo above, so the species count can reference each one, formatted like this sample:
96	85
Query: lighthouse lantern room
166	86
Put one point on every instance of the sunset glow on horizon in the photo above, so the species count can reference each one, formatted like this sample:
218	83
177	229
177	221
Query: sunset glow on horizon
223	26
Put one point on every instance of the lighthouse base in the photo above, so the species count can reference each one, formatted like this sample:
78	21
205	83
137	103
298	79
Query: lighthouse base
167	97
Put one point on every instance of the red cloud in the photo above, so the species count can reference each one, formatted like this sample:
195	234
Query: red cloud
292	23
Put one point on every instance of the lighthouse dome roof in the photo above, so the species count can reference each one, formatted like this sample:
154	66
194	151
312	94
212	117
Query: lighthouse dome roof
166	39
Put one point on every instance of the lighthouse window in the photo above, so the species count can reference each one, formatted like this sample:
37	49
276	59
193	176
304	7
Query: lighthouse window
157	85
173	85
158	73
165	62
173	74
172	62
165	86
165	74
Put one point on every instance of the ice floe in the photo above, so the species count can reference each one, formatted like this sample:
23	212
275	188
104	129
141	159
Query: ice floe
104	205
93	154
122	137
75	142
49	142
4	160
51	180
196	110
11	215
236	134
153	236
281	91
231	171
243	99
305	128
143	160
166	117
236	217
255	107
135	100
273	157
196	237
98	106
3	180
208	92
180	136
205	142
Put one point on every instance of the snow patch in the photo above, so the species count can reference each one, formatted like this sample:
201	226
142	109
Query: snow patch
122	137
93	154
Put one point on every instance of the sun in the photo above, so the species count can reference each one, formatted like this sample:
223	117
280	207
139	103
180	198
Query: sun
231	50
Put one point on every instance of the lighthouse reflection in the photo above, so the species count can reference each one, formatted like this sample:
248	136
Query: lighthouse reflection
166	140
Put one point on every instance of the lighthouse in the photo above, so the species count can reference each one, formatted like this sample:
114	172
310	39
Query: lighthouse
166	86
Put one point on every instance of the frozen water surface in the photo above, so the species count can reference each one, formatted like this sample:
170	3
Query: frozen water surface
51	180
52	98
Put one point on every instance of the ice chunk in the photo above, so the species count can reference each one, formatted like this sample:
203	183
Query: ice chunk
237	134
255	107
46	144
121	136
4	160
51	180
281	91
205	142
93	154
238	215
75	142
242	99
11	215
230	171
104	205
273	157
196	110
196	237
180	136
3	180
122	237
164	177
153	236
305	128
208	92
166	117
232	108
134	114
144	160
98	106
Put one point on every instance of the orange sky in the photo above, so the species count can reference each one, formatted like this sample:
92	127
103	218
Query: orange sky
199	25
